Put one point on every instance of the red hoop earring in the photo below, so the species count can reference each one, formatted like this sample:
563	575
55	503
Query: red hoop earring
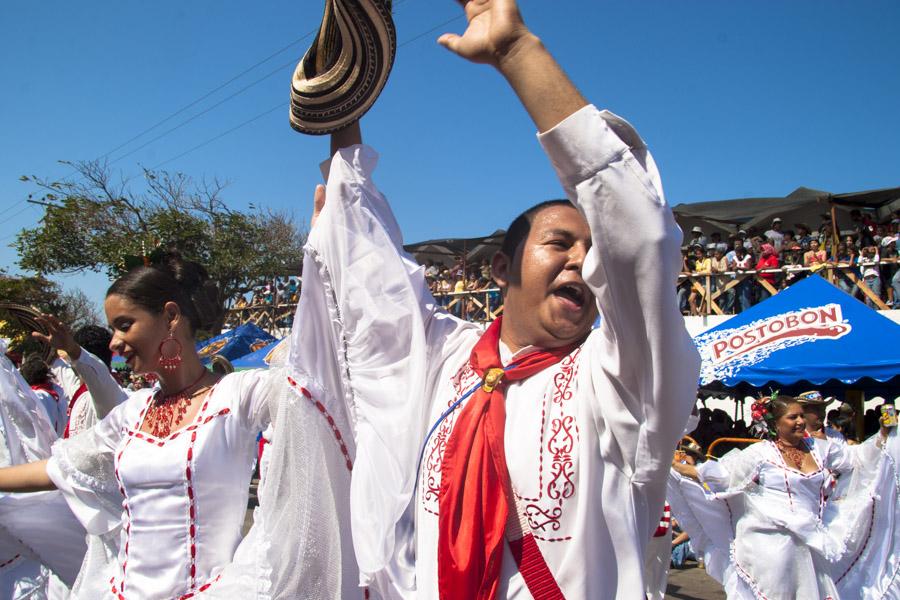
170	353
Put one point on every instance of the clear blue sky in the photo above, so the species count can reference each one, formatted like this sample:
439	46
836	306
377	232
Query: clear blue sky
734	99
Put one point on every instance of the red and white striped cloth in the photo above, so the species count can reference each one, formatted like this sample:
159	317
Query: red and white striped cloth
665	522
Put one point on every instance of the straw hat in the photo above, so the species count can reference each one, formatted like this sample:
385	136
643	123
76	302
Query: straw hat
692	449
345	69
814	398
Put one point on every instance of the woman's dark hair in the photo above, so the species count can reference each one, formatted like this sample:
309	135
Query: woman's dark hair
34	370
173	279
778	407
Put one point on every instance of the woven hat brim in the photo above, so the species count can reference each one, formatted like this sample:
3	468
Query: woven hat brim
342	74
28	318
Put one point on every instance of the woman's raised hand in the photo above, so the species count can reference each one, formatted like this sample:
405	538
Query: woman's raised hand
59	336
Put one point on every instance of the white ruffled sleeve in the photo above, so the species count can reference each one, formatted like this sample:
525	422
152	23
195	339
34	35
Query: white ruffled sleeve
367	323
105	391
83	469
25	428
733	473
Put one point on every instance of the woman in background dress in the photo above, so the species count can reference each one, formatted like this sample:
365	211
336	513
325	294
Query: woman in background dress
786	542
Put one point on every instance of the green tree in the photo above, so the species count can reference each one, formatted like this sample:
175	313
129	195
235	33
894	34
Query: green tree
93	222
41	293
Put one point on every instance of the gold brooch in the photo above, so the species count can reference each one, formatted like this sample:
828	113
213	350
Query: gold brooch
492	379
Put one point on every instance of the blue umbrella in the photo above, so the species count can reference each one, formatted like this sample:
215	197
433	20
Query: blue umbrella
234	343
256	360
812	331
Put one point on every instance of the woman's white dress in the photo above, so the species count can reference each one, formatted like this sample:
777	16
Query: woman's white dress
183	497
39	536
768	530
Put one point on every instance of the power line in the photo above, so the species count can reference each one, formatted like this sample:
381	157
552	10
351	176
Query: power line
207	95
12	206
213	91
221	135
3	239
282	104
203	112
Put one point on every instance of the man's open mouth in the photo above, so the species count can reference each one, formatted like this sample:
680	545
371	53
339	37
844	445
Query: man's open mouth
575	294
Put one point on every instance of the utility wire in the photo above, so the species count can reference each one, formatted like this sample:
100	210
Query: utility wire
221	135
12	206
277	70
217	88
208	94
13	216
283	104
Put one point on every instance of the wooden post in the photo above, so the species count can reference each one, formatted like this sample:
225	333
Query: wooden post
706	294
857	399
835	237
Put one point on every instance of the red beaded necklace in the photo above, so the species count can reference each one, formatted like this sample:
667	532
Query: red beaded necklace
167	412
792	453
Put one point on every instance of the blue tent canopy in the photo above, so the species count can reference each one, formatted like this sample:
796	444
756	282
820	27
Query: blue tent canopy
810	332
258	359
235	343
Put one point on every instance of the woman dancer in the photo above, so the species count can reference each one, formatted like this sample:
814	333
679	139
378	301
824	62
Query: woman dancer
787	542
172	465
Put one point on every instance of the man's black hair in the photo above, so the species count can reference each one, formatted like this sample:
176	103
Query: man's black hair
34	370
95	339
521	225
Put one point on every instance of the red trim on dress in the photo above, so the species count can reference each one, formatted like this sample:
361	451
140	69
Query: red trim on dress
136	433
186	596
334	428
6	563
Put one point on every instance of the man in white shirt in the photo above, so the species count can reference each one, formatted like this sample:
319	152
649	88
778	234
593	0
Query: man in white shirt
697	237
528	460
775	234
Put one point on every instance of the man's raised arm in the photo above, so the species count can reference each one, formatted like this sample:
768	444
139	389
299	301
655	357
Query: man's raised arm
496	35
350	135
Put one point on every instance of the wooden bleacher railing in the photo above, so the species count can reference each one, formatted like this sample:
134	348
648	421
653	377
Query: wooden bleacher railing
486	305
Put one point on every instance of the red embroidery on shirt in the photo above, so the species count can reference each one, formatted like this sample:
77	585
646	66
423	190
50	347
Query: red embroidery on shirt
462	381
192	513
556	446
140	435
544	513
186	596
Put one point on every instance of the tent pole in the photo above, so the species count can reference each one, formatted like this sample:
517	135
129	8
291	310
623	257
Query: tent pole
857	400
835	237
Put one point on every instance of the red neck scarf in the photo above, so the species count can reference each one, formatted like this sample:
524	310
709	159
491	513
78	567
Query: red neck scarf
473	505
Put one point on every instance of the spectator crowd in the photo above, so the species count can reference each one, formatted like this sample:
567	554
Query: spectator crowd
783	255
779	256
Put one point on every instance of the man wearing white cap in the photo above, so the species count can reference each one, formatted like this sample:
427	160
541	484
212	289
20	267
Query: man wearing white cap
697	237
775	234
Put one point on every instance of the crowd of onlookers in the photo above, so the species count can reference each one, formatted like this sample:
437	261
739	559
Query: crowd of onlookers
868	251
782	255
449	286
279	292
